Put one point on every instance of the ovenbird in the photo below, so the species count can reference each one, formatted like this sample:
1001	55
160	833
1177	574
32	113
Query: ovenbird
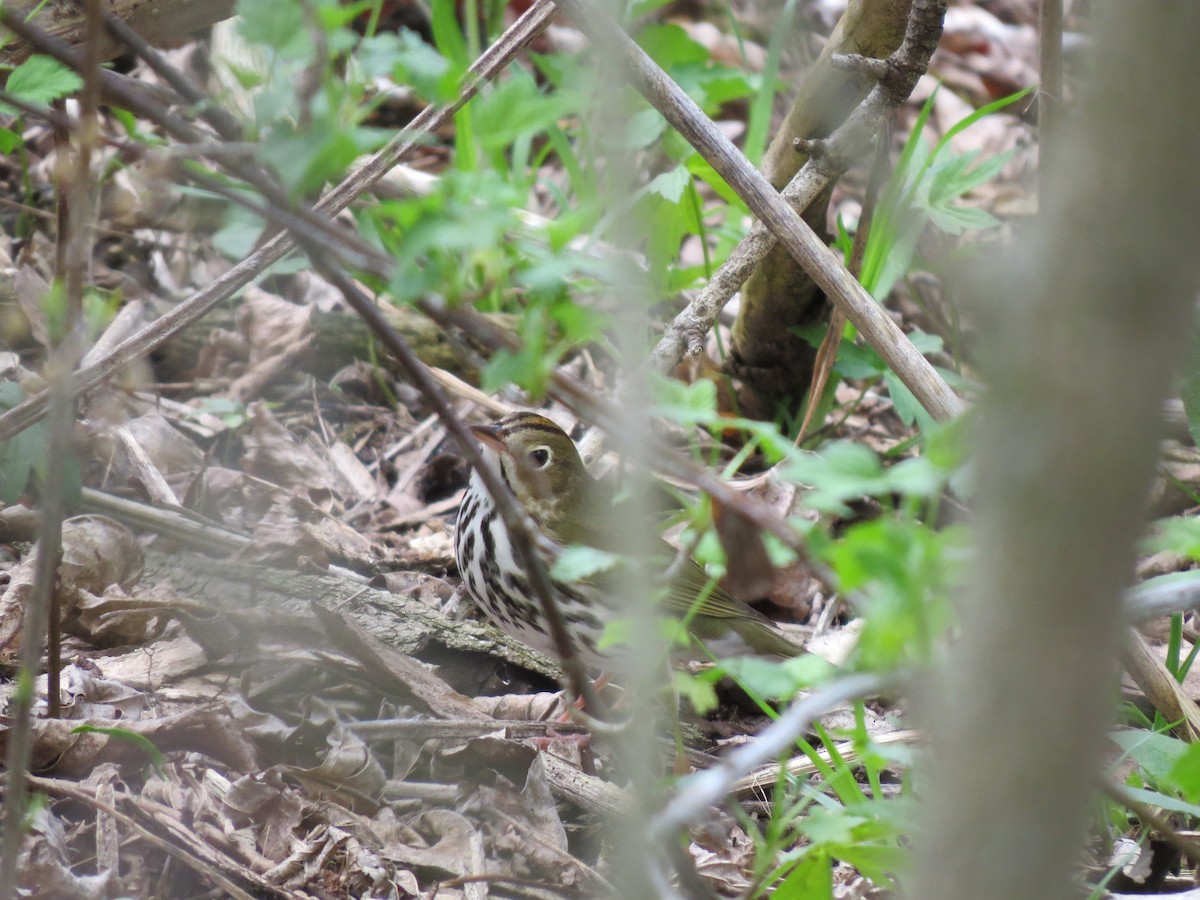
539	463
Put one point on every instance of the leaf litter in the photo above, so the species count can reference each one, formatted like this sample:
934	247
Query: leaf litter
285	596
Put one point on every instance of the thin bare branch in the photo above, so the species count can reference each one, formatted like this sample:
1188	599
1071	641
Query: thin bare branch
1050	91
837	151
711	786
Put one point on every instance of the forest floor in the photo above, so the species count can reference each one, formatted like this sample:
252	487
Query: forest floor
260	604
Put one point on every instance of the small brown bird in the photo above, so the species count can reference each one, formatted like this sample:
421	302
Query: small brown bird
539	463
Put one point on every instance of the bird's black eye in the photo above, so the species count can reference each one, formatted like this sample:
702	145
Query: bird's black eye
539	457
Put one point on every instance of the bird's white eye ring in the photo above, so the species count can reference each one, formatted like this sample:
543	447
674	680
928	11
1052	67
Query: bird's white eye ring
540	457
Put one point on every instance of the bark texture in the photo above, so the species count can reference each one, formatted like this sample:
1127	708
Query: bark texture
774	363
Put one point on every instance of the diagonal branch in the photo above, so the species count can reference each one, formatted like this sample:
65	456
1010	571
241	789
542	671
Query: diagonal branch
686	332
823	265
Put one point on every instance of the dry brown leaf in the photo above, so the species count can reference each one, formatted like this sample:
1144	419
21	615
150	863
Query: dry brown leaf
438	839
348	773
87	695
274	455
211	732
96	552
272	806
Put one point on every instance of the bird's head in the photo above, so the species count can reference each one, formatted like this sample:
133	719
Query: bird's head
540	465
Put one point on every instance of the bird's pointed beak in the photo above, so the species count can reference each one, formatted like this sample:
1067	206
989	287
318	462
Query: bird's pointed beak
490	435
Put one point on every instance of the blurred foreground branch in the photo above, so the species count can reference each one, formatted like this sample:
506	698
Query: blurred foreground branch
1087	319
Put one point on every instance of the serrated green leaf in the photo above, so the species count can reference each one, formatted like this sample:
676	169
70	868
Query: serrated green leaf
686	404
278	24
956	219
41	80
670	185
642	129
769	679
858	361
967	180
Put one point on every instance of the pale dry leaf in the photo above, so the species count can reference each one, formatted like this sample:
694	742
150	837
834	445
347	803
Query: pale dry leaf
270	324
273	454
96	552
348	770
46	862
355	475
30	289
539	707
153	668
439	839
275	809
116	619
87	695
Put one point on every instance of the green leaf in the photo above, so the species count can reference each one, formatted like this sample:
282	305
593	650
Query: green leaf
22	455
824	826
670	46
859	361
143	743
926	186
617	633
686	404
967	121
1180	534
1156	754
904	571
762	106
408	60
517	106
770	679
238	235
699	692
947	444
642	129
1185	774
958	180
579	563
908	408
811	879
9	140
1163	801
40	80
702	169
841	471
448	36
278	24
670	185
955	219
